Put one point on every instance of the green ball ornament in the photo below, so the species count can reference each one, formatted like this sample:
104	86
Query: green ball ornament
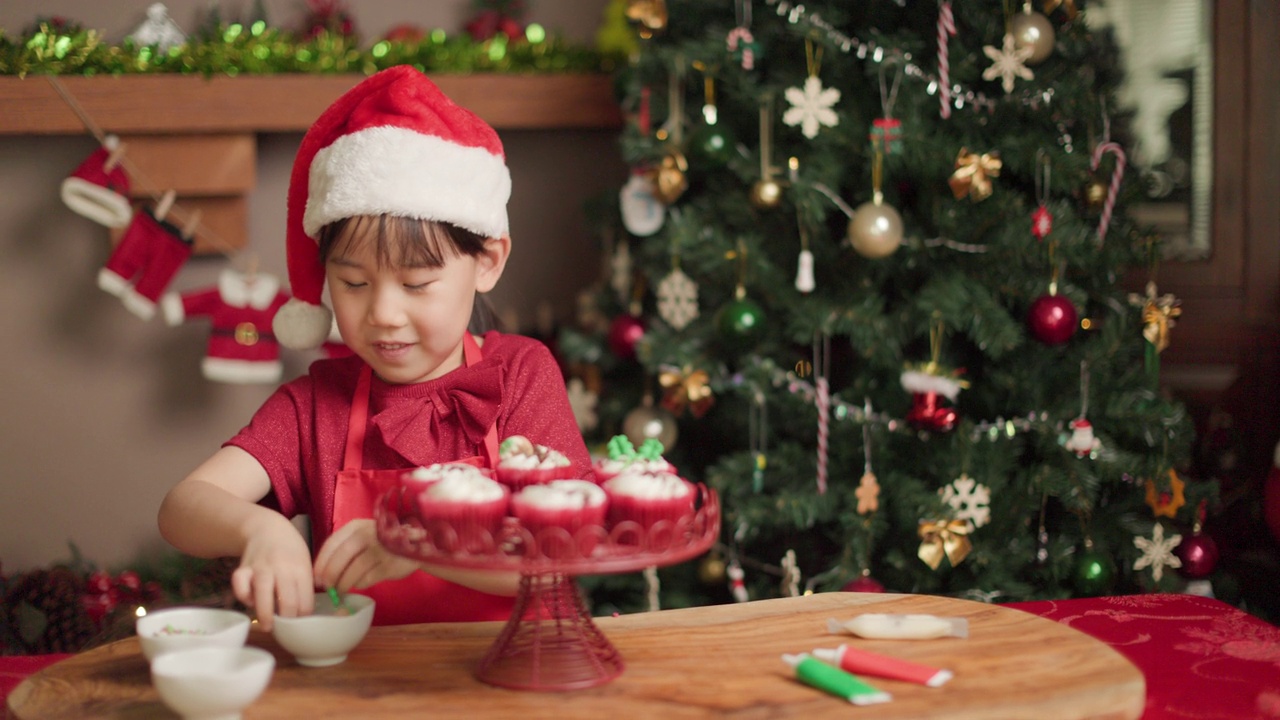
712	142
1094	572
741	321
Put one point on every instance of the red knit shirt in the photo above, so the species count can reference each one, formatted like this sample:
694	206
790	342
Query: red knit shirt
299	433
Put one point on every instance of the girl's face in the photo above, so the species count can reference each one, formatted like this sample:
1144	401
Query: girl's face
407	321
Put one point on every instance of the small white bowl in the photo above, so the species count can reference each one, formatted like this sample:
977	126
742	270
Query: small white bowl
184	628
324	638
212	683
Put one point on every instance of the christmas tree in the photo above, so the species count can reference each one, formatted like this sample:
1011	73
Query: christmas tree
869	282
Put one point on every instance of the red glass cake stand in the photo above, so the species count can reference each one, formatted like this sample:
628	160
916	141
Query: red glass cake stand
550	642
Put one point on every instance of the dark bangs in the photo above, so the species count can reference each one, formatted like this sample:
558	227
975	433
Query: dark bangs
399	241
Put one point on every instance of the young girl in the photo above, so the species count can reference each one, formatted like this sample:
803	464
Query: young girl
398	202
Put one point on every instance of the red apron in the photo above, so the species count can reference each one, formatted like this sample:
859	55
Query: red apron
420	597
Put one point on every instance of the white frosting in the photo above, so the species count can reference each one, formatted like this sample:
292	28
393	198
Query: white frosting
553	459
562	495
654	486
637	465
441	471
473	487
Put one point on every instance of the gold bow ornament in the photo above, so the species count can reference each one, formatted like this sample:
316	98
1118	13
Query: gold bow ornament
686	389
973	174
939	538
1158	314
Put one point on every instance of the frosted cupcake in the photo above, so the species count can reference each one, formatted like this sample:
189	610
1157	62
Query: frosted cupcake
522	463
566	504
647	498
624	457
461	509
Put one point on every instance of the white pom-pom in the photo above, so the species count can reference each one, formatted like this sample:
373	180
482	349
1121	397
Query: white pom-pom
302	326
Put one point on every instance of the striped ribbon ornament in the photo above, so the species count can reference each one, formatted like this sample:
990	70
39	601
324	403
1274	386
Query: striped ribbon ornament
1114	188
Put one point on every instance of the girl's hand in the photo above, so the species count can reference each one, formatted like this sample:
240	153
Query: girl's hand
274	576
352	557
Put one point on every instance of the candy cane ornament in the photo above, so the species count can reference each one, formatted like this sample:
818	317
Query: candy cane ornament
946	27
821	362
743	36
1116	175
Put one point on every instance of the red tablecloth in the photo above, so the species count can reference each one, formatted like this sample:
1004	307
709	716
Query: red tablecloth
1202	658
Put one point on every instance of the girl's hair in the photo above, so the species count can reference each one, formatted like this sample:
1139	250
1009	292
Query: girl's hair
401	241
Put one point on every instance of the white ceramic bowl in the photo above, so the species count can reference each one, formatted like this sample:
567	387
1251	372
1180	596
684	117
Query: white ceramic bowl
184	628
324	638
212	683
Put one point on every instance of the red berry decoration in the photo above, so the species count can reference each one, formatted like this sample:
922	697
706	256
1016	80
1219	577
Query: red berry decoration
1052	319
624	333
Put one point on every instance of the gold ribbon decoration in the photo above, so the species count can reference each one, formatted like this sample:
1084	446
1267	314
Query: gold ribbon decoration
973	174
1158	315
1068	7
943	538
686	389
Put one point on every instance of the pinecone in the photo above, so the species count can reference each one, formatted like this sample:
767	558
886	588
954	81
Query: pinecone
44	612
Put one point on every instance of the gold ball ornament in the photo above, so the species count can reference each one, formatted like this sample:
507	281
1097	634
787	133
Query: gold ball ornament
711	571
1033	30
766	194
1095	194
669	180
875	231
650	16
648	421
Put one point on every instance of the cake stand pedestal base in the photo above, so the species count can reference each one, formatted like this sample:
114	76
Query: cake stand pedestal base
550	642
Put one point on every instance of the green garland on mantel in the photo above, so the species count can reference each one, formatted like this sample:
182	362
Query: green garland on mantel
257	49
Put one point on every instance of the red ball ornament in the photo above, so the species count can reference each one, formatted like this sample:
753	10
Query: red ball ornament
1199	556
865	583
624	333
1052	319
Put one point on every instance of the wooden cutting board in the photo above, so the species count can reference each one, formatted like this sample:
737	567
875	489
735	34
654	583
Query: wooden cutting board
719	661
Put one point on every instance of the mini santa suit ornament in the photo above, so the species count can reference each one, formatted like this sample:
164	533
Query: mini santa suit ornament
99	188
392	145
927	389
241	347
1082	442
150	253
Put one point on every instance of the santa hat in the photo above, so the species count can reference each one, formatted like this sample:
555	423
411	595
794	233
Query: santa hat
392	145
98	192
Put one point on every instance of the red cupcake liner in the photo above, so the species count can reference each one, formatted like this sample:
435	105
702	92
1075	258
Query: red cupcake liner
647	512
516	478
556	530
463	526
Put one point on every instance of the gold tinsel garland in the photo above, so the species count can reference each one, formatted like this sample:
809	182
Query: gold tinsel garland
235	49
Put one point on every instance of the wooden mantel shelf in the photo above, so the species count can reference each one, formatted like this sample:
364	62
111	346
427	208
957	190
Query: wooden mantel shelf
187	104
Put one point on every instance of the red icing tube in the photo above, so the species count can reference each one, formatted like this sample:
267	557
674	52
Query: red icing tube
861	662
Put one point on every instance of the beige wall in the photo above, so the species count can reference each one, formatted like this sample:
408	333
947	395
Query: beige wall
101	412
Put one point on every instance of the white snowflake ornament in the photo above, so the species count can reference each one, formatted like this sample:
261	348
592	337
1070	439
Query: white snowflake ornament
969	500
678	299
811	107
1157	553
1008	62
583	404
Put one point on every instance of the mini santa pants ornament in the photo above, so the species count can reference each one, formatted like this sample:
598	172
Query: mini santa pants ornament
99	188
241	347
152	251
928	411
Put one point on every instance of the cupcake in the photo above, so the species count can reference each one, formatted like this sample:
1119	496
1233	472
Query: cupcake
462	509
624	457
522	463
646	498
565	504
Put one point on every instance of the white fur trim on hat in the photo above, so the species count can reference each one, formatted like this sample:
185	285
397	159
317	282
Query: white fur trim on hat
99	204
396	171
301	326
172	309
920	382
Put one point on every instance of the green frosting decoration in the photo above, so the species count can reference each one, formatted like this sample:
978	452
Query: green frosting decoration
620	448
650	449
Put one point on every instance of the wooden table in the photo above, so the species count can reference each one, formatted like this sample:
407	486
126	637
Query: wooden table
720	661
